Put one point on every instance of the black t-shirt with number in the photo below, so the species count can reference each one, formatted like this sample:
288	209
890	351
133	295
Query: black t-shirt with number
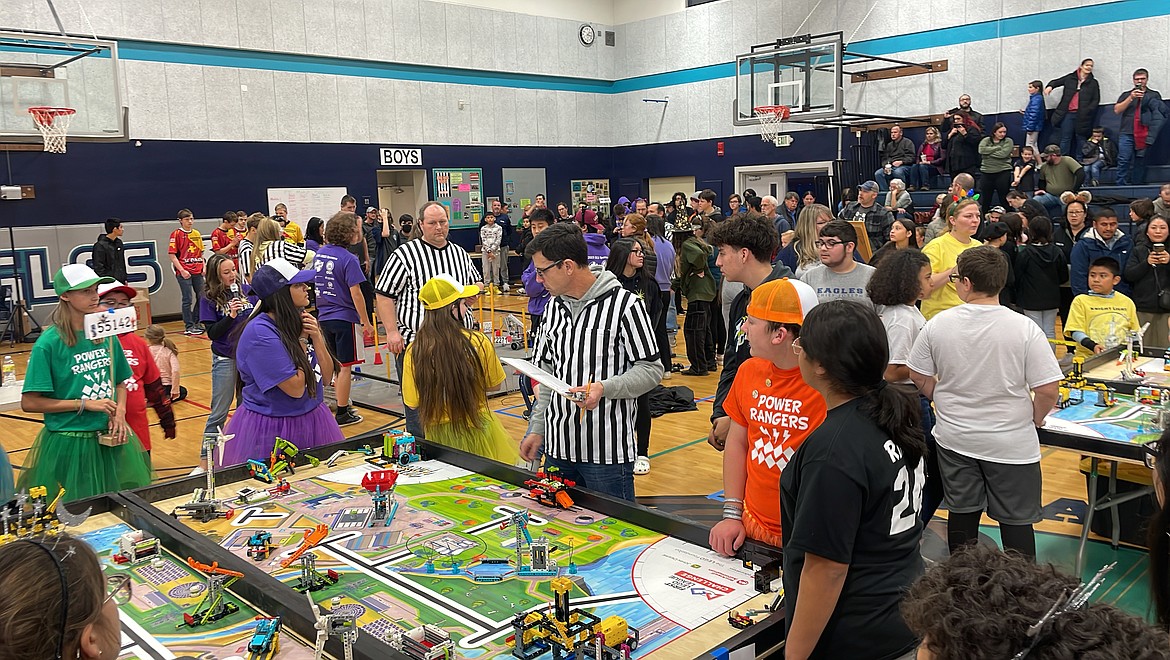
848	496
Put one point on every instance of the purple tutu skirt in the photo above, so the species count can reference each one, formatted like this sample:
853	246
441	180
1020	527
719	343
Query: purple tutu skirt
255	434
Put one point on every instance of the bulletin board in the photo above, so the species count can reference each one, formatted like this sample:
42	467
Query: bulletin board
305	203
461	191
594	192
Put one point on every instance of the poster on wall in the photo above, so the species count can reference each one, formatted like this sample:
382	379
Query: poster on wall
459	189
590	192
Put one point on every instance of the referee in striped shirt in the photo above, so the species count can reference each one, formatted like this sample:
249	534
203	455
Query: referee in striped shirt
597	336
406	270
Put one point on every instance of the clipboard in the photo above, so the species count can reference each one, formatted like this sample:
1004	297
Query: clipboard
544	378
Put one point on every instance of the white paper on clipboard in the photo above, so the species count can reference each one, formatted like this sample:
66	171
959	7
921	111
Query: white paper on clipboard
543	377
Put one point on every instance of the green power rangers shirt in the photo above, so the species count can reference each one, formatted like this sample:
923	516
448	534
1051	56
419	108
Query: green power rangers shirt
79	372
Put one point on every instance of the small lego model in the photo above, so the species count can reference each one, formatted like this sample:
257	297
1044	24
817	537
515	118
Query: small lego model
400	447
212	606
259	471
571	632
311	539
284	457
539	563
380	484
342	453
1106	397
265	641
426	642
549	488
260	545
282	488
738	620
311	579
203	511
1152	396
249	495
333	625
135	546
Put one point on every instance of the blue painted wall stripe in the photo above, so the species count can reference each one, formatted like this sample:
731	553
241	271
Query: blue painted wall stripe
1061	19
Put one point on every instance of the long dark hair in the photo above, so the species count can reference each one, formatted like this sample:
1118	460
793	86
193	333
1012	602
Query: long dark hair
313	230
448	372
619	256
1158	540
849	341
287	318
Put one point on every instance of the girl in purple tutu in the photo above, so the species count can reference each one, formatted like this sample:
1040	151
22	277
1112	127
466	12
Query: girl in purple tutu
280	380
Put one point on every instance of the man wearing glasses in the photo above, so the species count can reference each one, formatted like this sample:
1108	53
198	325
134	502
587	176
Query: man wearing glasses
598	338
838	277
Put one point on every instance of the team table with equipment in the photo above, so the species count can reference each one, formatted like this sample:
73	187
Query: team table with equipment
417	550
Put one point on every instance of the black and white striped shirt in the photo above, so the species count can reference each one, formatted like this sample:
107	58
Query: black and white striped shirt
245	257
294	253
410	266
608	335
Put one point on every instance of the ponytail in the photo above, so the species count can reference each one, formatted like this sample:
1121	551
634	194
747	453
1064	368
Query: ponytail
158	337
896	410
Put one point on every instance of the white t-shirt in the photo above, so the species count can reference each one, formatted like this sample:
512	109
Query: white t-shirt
903	323
987	359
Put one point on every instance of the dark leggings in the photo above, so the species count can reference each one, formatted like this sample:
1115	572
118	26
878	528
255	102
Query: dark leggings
932	491
660	332
642	424
998	183
697	333
963	528
718	333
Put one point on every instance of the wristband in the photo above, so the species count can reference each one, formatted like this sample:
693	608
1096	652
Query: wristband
732	499
1089	344
733	515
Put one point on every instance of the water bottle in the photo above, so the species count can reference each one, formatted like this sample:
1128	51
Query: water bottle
8	372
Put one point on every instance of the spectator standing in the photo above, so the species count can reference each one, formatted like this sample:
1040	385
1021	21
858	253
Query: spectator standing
186	253
1142	114
944	251
964	109
1148	272
769	207
698	286
734	206
314	238
790	208
109	253
598	337
538	296
490	236
1097	153
505	224
663	269
838	277
1034	114
875	218
963	145
1103	240
932	158
292	231
996	152
1077	111
1041	270
897	156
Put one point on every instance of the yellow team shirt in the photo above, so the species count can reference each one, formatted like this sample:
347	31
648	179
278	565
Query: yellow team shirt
1105	319
492	369
294	233
943	252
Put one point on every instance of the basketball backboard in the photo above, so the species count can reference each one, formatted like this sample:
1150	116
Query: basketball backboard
58	71
803	73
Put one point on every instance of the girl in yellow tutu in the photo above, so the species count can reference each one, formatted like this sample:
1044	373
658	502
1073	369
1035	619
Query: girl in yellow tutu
448	371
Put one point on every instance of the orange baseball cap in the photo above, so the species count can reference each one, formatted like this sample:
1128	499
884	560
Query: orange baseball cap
782	301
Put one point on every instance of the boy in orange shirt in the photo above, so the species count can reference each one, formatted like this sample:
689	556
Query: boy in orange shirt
772	411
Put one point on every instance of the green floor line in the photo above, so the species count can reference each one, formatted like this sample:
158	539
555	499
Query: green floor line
678	447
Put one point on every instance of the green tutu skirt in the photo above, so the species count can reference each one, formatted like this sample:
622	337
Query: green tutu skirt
74	460
490	440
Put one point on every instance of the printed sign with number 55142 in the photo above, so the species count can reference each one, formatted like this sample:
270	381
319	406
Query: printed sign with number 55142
114	322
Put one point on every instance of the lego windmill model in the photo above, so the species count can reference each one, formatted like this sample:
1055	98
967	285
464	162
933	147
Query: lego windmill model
333	625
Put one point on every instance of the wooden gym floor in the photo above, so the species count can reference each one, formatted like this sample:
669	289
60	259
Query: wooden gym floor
685	470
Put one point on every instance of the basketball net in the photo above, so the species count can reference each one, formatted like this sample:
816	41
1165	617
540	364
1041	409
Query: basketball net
54	125
772	118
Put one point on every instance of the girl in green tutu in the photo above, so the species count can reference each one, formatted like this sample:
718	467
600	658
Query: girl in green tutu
86	446
448	371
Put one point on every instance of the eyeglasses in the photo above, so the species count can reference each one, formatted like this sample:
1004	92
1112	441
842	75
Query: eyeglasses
114	304
556	264
796	347
637	252
954	277
118	589
828	245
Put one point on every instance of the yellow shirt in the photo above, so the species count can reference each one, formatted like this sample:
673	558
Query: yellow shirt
1106	320
294	233
492	369
944	251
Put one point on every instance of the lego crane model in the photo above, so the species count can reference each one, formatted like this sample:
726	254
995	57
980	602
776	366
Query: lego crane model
333	625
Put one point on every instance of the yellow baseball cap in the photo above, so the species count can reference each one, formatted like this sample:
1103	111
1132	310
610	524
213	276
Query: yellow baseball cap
442	290
782	301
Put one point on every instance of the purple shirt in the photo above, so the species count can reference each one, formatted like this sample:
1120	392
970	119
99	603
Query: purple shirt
337	270
538	296
264	364
210	314
598	251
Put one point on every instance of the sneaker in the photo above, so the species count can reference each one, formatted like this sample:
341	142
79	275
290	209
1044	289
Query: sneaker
642	465
188	331
666	375
521	291
507	287
694	372
196	331
346	416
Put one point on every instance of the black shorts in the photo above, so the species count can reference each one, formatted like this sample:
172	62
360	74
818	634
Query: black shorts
340	337
1010	493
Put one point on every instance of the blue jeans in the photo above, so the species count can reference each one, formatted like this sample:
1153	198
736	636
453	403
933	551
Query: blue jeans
615	479
1126	155
1069	140
671	314
413	424
1093	171
923	176
223	392
192	289
883	181
1051	203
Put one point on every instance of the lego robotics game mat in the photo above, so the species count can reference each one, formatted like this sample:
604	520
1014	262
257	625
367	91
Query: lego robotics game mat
433	543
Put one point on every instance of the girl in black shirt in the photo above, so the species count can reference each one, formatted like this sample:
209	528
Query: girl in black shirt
849	498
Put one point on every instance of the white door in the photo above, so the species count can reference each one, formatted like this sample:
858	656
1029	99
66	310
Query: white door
764	183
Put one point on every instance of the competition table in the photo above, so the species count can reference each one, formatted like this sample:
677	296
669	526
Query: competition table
1111	434
448	557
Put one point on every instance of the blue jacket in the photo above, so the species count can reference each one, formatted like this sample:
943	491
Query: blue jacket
1089	248
1034	113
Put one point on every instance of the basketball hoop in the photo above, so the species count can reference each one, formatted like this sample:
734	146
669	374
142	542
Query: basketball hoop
53	124
772	118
